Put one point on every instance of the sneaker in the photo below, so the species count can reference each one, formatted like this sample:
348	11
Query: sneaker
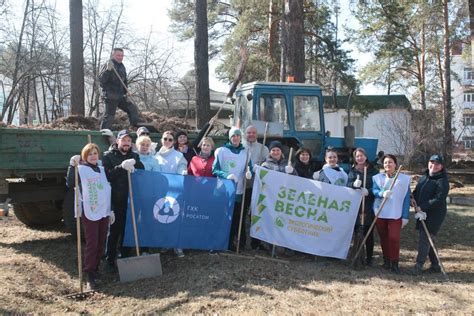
435	269
179	252
213	252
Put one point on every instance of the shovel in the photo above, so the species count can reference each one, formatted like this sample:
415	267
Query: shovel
81	295
359	234
139	267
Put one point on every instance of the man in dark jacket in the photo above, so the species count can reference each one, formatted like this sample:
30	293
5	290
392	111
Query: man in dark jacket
117	162
429	199
114	93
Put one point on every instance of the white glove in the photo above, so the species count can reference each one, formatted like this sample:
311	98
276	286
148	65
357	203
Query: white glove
128	164
112	218
357	183
184	172
365	192
404	222
232	177
289	169
110	65
75	160
248	175
106	132
316	175
387	194
421	216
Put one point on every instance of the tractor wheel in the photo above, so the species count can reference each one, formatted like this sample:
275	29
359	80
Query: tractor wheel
38	213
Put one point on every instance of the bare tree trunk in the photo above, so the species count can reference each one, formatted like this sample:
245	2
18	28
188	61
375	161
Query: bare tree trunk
294	17
423	69
448	141
284	47
272	52
201	64
77	58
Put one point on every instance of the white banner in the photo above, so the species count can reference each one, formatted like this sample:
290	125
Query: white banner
304	215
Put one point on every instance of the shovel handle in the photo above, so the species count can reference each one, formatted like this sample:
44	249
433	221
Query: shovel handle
132	206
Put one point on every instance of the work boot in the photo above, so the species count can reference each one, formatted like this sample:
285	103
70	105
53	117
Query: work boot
90	281
435	268
394	267
179	252
386	263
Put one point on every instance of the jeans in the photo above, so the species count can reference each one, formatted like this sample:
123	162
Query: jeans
425	250
111	107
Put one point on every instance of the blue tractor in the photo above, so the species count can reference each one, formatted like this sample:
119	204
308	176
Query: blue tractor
295	116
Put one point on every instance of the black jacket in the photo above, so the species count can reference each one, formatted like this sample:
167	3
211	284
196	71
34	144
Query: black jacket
369	199
306	171
430	195
112	89
118	177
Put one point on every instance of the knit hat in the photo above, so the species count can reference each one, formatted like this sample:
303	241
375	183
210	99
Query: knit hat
235	131
275	144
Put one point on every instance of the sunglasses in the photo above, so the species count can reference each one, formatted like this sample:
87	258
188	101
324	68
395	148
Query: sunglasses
146	134
168	139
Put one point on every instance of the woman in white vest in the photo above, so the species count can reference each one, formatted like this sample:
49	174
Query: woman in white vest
171	161
331	172
96	213
394	215
230	163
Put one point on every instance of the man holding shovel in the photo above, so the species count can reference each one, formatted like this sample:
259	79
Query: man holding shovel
113	81
117	162
429	200
258	154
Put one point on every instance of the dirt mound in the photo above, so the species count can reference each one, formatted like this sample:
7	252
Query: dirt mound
462	164
160	122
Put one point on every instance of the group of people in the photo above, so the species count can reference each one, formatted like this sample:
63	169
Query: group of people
107	187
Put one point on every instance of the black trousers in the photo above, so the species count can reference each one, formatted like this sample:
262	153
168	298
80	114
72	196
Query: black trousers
234	228
115	237
111	107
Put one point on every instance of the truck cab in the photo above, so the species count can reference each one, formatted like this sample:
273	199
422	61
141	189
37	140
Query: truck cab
298	109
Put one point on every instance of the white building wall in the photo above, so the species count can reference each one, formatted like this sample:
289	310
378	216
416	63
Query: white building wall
390	126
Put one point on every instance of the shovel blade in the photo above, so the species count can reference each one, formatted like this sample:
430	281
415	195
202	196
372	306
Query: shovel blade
136	268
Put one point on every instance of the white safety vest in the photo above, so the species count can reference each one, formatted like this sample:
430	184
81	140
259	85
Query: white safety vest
393	207
96	193
233	164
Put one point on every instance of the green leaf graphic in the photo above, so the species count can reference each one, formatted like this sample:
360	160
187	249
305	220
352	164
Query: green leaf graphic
255	219
261	197
263	173
279	222
261	207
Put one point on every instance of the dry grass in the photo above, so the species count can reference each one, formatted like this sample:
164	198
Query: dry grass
37	268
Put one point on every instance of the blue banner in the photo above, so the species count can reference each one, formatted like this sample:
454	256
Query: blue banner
175	211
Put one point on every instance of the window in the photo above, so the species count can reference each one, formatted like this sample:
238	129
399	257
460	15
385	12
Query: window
243	111
468	73
307	113
358	123
273	109
469	97
468	119
468	141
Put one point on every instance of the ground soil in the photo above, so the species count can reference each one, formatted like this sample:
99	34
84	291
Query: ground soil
38	268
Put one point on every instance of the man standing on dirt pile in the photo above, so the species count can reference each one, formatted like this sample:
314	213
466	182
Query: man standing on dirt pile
113	81
117	162
429	200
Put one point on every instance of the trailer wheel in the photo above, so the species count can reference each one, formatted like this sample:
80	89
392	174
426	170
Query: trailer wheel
38	213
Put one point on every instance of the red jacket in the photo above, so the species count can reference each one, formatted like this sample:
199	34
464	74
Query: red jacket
201	167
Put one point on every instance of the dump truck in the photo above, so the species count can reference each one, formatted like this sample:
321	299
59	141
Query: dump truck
33	162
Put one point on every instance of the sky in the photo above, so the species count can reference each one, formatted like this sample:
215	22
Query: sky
145	14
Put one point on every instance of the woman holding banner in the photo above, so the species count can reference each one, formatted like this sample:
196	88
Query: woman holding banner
331	172
355	180
275	159
231	161
395	212
171	161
